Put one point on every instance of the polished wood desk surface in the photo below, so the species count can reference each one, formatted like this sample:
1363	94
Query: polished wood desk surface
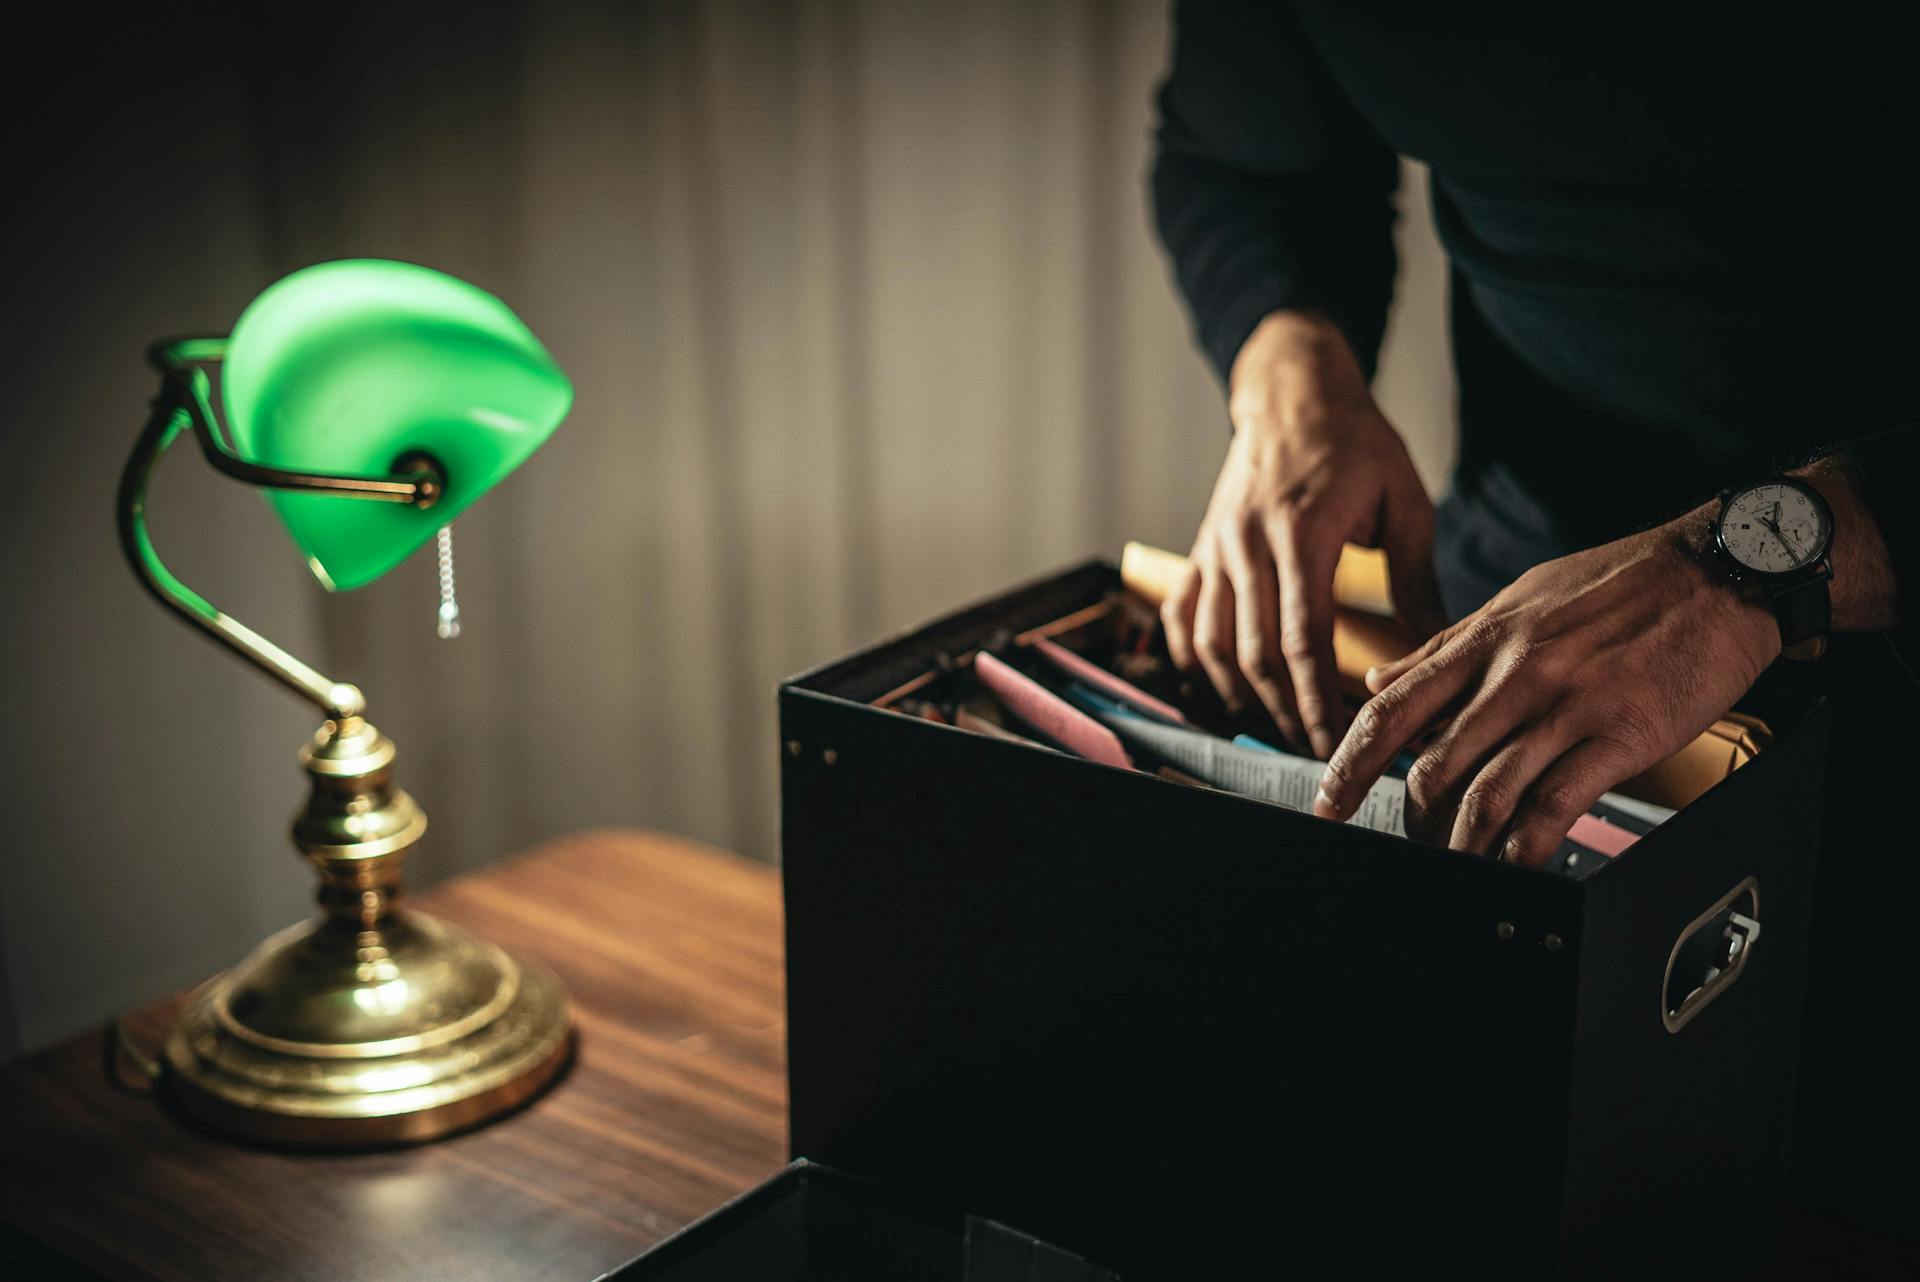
677	1101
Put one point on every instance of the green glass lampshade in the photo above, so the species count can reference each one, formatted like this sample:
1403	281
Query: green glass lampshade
350	367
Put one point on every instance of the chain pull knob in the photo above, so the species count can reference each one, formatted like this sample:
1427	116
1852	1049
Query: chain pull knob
448	623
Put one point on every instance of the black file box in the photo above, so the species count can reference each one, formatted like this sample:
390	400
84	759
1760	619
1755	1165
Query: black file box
1192	1034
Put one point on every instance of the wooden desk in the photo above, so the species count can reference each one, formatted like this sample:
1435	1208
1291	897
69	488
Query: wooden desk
678	1100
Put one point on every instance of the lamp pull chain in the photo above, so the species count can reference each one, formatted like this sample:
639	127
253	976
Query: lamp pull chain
448	625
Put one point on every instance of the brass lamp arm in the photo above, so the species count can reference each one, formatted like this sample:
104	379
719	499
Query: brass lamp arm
184	404
337	699
176	359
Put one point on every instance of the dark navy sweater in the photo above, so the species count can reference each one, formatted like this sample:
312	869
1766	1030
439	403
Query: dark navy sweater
1678	257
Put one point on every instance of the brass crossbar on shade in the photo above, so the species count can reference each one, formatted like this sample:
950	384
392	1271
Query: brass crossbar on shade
374	402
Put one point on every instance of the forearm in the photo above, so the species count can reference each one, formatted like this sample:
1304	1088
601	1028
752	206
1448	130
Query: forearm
1245	245
1268	190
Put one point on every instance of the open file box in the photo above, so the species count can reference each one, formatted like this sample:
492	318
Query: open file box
1178	1030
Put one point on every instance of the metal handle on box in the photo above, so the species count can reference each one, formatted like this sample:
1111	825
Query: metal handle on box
1722	940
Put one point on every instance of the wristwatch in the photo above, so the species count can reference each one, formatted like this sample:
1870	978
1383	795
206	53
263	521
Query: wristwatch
1776	535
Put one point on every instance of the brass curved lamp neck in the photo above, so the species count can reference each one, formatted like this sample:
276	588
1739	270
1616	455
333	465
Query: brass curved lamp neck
183	405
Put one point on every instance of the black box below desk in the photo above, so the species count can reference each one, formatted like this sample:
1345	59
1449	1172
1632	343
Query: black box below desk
1186	1033
813	1224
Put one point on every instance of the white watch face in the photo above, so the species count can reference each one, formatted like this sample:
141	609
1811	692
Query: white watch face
1774	528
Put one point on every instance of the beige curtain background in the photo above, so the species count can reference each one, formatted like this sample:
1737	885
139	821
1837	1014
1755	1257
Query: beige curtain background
865	319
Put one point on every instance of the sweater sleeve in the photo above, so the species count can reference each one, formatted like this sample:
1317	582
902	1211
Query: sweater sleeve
1887	465
1269	191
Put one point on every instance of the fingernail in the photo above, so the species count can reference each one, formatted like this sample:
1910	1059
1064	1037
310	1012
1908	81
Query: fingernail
1510	852
1323	805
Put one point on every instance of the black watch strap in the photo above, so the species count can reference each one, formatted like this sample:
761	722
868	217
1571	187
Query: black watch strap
1805	611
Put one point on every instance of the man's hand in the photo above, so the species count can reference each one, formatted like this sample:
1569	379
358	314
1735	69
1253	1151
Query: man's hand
1581	674
1312	466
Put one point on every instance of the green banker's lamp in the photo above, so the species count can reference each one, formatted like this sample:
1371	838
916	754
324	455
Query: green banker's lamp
374	401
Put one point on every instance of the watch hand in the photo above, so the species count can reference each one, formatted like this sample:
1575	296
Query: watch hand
1792	549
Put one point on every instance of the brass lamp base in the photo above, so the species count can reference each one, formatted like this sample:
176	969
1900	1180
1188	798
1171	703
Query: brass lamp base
371	1025
292	1047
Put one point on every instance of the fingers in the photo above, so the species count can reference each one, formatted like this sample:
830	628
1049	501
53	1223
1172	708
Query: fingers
1567	790
1392	719
1306	638
1438	783
1406	536
1176	617
1256	631
1380	676
1213	640
1488	805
